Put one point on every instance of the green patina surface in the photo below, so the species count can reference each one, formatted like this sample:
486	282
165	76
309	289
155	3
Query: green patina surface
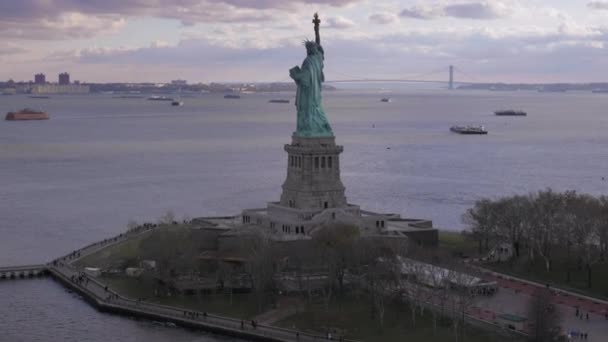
312	121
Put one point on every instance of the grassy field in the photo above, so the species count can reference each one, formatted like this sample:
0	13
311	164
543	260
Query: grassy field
456	243
353	318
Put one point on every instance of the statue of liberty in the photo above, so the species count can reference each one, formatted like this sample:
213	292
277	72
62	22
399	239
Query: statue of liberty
312	121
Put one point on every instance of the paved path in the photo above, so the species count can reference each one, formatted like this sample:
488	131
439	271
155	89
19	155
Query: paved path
285	307
513	297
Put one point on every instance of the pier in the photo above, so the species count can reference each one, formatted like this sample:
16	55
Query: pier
18	272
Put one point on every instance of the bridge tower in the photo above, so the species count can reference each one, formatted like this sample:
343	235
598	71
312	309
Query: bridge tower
451	84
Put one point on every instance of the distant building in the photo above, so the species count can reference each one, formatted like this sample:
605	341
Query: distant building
179	82
39	79
60	89
64	78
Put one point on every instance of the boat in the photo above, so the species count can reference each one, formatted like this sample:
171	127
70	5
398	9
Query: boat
39	97
599	91
386	99
232	96
177	103
279	101
468	129
160	98
27	114
510	112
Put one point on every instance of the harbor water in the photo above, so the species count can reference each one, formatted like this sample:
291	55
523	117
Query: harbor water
101	161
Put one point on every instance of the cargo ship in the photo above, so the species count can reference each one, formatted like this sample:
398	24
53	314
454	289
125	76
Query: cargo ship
27	114
510	112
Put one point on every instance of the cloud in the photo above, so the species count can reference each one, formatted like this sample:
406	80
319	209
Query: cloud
383	18
485	52
464	10
476	10
422	12
598	5
67	19
11	49
339	22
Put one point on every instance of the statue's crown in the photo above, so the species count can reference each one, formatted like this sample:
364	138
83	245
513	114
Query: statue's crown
309	43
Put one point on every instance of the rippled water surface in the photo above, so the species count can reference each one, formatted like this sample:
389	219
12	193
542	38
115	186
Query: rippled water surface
101	161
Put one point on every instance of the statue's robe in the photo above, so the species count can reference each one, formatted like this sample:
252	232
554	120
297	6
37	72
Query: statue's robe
312	121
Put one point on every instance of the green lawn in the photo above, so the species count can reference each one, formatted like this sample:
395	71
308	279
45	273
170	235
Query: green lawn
112	255
455	243
353	317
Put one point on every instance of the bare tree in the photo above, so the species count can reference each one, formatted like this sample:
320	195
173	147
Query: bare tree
173	250
481	220
167	218
336	247
602	227
259	264
543	317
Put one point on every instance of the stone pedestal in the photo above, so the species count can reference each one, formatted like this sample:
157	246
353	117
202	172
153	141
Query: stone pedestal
313	174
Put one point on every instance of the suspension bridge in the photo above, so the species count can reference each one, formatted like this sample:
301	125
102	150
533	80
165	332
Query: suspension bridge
420	78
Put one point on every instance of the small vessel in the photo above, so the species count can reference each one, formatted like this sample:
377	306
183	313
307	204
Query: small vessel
160	98
510	112
177	103
27	114
232	96
279	101
39	97
468	129
386	99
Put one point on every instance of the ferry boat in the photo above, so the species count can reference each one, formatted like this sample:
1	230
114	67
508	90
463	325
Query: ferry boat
510	112
27	114
160	98
386	99
468	129
279	101
232	96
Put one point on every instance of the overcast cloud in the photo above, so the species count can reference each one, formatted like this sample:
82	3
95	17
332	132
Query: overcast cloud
206	40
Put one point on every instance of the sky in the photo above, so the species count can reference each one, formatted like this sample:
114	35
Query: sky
260	40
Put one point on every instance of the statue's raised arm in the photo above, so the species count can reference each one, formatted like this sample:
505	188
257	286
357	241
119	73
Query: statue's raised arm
317	21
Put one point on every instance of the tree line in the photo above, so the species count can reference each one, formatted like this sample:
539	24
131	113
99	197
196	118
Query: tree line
566	226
